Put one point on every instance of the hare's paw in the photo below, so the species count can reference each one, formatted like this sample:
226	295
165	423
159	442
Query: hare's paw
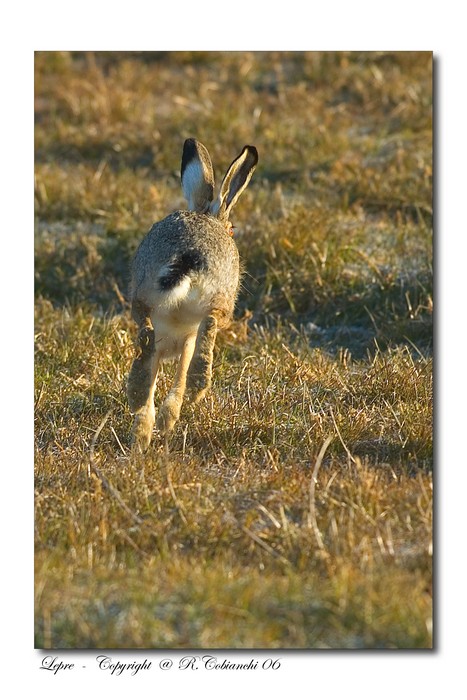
139	382
199	380
198	387
169	414
141	432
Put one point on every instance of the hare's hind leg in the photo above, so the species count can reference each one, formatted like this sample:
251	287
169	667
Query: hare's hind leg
142	379
200	372
170	410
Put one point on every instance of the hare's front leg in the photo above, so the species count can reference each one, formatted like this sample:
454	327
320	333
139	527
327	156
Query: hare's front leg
200	372
170	410
141	383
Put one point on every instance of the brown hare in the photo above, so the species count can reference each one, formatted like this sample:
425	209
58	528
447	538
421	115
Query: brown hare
184	284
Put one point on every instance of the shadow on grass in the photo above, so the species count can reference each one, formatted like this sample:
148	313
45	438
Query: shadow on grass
74	266
361	318
373	316
92	153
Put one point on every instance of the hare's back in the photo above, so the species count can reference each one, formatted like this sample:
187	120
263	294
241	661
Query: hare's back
186	245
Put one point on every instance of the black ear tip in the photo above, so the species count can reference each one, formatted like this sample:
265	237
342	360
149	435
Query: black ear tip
189	147
189	152
253	153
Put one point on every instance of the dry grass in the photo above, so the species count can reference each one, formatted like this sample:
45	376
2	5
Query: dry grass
294	509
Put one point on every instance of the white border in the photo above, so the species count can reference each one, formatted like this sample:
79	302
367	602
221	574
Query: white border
358	25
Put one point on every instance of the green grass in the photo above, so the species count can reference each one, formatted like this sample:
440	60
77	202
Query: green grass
294	508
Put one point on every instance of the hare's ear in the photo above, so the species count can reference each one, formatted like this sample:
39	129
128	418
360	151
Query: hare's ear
236	179
197	176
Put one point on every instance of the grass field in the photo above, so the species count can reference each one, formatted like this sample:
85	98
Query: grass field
294	509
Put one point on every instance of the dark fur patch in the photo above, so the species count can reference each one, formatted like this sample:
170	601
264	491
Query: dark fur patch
182	265
189	153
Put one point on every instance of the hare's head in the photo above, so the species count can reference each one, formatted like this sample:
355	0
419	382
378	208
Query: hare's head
198	180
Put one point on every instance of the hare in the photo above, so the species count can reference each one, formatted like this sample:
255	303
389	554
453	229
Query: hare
184	284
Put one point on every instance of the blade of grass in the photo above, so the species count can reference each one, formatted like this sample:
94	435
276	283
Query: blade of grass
312	521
